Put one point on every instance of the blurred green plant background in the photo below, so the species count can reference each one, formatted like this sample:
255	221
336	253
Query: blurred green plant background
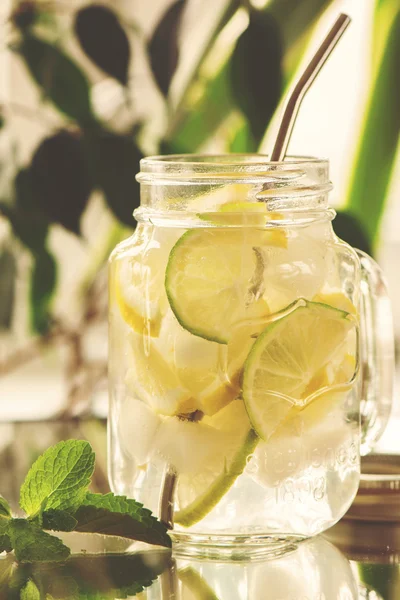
219	91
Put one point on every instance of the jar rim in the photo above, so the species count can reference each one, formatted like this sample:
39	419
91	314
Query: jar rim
297	184
170	162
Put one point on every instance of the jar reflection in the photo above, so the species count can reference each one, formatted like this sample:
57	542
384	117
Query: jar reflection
315	570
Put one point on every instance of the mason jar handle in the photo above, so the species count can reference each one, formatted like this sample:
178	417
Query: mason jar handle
376	352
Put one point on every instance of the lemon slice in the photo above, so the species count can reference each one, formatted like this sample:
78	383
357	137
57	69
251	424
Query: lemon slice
136	281
232	442
129	288
152	380
237	213
210	371
248	213
285	366
214	280
337	300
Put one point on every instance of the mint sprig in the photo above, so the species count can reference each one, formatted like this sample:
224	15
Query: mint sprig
120	516
59	478
55	497
58	520
29	540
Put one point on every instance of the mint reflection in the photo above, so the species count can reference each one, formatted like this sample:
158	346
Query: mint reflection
82	576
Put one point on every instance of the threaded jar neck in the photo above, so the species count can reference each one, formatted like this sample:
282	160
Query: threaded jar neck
182	187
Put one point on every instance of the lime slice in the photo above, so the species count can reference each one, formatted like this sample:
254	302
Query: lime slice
152	380
233	440
285	366
194	585
308	430
326	393
214	280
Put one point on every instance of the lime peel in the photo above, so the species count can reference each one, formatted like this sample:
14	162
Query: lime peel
209	269
284	368
199	508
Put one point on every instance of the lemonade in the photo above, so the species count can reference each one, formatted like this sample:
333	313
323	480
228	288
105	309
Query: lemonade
234	409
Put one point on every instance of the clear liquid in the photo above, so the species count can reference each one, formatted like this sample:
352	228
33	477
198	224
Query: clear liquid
228	482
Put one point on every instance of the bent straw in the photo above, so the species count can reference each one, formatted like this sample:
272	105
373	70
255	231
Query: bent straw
304	84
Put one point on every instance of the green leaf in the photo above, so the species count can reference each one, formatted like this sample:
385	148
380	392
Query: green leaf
242	139
30	591
43	284
115	162
5	515
59	78
93	25
376	155
5	543
163	46
59	478
31	543
4	522
25	15
60	179
257	91
29	226
120	516
199	119
8	271
58	520
349	229
5	510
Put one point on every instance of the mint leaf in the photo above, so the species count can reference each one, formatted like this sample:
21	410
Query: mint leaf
5	515
59	478
58	520
5	544
32	544
5	510
30	591
118	515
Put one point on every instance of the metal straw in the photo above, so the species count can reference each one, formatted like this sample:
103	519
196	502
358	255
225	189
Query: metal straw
303	85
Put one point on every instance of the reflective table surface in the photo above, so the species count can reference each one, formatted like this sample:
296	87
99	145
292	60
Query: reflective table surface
110	568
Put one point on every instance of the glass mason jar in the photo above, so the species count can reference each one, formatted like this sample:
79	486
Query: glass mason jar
247	344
